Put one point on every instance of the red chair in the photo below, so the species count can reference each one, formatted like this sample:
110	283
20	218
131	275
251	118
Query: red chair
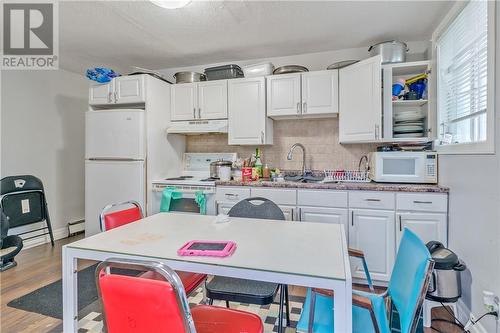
136	304
111	218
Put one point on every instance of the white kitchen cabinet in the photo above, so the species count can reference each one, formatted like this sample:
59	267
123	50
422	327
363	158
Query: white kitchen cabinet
101	93
320	92
324	215
428	226
284	95
212	100
199	100
120	90
248	123
289	212
129	89
312	94
360	101
373	232
183	101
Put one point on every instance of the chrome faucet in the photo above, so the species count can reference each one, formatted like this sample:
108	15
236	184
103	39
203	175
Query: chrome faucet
289	156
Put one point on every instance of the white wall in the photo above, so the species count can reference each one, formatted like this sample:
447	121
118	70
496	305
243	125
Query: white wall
474	225
313	61
42	133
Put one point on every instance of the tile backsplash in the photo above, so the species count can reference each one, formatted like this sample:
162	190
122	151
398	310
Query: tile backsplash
319	136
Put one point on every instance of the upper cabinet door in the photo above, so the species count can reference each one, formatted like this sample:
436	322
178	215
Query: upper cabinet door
283	95
101	93
212	100
248	124
360	101
129	89
183	101
320	92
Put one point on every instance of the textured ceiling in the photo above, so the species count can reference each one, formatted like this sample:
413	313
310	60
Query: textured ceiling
122	34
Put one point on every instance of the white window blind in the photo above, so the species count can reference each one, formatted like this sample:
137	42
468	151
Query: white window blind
462	55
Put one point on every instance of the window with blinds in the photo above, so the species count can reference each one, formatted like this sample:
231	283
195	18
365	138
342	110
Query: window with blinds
462	56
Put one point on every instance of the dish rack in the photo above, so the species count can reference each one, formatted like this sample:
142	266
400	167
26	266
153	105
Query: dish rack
346	176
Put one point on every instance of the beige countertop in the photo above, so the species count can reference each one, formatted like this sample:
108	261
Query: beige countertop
392	187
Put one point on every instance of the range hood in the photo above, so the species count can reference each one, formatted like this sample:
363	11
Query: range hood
198	127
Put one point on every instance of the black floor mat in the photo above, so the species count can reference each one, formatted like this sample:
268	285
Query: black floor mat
47	300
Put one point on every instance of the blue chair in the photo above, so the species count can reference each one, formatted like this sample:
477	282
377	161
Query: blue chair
372	312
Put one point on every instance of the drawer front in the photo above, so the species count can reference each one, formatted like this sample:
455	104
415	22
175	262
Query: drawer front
231	194
426	202
279	197
323	198
372	200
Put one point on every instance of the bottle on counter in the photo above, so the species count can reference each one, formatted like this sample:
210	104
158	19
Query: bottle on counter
266	172
258	162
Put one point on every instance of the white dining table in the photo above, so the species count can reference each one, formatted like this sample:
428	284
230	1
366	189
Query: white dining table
294	253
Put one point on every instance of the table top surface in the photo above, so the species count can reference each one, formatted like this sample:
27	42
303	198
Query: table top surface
297	248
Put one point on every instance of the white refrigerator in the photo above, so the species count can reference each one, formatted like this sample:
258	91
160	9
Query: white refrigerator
115	161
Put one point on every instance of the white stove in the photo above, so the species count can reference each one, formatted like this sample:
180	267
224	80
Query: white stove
195	177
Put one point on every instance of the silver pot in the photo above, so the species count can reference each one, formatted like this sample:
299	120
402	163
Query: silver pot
445	284
189	77
216	165
392	51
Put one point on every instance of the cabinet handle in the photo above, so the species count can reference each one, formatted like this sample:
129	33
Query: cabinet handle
373	200
116	97
199	113
231	195
422	202
262	136
376	132
109	97
292	214
298	107
299	214
400	224
304	107
352	218
194	113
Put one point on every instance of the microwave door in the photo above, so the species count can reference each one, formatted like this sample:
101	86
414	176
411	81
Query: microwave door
402	169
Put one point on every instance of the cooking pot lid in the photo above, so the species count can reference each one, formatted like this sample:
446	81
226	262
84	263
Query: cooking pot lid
443	258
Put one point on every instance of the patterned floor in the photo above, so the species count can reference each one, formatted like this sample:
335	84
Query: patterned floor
92	322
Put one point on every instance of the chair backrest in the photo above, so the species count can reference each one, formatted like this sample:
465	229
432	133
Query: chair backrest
137	304
258	208
410	280
20	183
111	217
23	200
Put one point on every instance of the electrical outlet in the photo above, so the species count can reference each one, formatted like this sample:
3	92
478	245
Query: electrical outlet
491	301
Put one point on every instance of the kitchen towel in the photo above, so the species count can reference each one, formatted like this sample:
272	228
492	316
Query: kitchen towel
201	201
168	194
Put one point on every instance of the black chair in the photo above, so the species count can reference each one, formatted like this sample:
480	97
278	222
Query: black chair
22	199
10	246
249	291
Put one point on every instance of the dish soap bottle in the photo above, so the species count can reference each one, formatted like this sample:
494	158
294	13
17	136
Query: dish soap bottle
258	162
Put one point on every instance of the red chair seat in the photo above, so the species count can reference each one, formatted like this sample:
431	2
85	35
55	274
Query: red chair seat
122	217
190	281
214	319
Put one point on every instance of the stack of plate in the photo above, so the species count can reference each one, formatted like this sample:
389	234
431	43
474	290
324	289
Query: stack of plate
408	124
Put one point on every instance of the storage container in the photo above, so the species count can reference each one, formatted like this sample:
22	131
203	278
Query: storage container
223	72
261	69
392	51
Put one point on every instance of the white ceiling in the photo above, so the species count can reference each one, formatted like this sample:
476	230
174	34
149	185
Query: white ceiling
122	34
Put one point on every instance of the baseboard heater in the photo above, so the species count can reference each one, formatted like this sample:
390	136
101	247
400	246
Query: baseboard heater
76	227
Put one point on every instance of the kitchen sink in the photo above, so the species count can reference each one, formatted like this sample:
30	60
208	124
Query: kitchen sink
303	179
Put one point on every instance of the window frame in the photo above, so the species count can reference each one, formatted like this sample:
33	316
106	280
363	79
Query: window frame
483	147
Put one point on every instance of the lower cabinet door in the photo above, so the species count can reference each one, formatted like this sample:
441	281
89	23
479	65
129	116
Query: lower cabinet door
427	226
324	215
373	232
289	212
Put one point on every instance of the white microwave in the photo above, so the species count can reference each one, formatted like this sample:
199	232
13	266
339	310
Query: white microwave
404	167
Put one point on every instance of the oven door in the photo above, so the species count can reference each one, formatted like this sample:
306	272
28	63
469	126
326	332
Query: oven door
187	203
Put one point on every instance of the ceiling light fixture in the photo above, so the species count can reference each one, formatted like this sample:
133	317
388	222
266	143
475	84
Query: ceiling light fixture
171	4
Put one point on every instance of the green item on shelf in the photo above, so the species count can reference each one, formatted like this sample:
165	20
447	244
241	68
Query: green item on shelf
200	199
167	195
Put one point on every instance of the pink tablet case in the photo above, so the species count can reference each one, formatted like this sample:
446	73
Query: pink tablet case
227	251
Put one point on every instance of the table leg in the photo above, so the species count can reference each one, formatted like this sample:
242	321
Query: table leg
343	307
70	292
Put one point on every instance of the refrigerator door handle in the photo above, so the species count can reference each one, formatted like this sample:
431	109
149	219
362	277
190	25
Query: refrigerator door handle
123	159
